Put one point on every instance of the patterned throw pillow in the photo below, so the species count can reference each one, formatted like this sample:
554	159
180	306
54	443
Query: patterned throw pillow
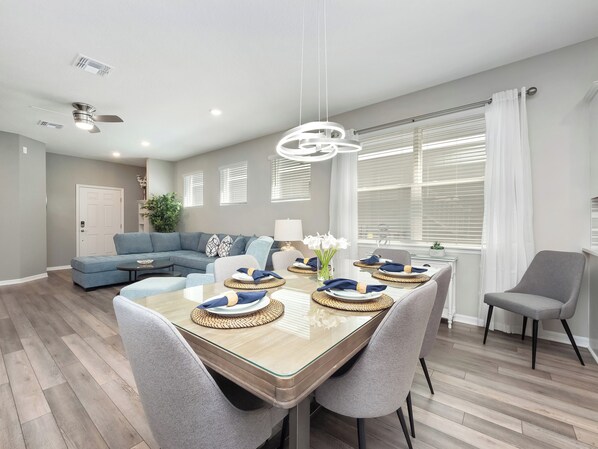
212	246
225	246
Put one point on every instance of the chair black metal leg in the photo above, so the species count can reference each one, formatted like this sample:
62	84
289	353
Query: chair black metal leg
524	326
361	432
422	361
284	432
572	340
404	427
534	342
488	318
410	413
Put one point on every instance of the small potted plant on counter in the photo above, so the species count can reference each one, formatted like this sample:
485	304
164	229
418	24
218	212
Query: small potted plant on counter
437	250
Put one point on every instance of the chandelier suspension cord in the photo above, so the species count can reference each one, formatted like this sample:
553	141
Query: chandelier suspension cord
302	52
325	59
318	7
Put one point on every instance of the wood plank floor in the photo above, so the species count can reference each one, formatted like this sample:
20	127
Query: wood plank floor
65	382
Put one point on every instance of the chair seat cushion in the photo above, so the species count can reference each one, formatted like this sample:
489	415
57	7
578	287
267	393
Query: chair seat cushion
532	306
153	286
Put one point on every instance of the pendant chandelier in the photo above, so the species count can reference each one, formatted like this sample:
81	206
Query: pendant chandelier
318	140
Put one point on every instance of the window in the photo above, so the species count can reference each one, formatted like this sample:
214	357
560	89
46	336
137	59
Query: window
424	184
233	184
291	180
193	189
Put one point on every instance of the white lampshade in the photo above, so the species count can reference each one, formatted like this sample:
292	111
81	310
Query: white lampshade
288	230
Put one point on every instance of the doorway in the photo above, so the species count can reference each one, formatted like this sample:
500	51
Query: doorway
100	215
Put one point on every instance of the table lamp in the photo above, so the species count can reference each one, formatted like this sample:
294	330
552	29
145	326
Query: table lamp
288	231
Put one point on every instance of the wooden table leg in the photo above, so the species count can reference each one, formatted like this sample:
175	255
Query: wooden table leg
299	425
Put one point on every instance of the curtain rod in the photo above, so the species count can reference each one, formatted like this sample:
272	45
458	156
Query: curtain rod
478	104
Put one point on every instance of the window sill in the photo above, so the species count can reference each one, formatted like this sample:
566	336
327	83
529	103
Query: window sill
422	248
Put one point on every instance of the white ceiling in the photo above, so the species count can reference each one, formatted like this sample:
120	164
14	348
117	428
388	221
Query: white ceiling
174	60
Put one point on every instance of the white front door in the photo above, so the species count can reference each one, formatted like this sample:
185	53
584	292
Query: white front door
100	216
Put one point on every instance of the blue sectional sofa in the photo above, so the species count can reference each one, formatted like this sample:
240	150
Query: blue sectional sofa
185	249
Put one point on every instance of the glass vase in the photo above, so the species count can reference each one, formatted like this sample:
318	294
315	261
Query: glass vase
324	271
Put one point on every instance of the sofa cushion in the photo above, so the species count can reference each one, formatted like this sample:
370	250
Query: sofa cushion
249	241
212	246
165	241
203	242
133	243
238	246
225	246
96	264
197	261
190	240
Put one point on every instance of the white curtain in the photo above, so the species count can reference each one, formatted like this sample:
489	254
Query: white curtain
343	201
507	238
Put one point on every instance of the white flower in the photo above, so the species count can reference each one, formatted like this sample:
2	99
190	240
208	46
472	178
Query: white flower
328	241
342	243
312	242
325	242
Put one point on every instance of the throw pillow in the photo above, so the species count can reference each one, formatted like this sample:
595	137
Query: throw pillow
212	246
238	247
225	246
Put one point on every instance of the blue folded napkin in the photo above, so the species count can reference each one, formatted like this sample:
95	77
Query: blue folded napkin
372	260
233	298
399	267
349	284
258	274
312	262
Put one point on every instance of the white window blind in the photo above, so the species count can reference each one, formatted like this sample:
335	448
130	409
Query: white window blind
424	184
233	184
193	189
290	180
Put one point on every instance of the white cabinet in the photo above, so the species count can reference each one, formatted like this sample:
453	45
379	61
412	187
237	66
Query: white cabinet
441	262
143	222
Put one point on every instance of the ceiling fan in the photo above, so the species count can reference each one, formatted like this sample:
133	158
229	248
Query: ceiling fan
85	118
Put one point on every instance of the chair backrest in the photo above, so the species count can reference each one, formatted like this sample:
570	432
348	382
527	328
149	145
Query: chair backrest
185	407
556	275
224	267
397	255
443	279
260	249
380	379
283	259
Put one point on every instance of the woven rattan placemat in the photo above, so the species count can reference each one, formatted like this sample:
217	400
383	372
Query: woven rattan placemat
271	283
381	303
268	314
403	280
301	270
359	264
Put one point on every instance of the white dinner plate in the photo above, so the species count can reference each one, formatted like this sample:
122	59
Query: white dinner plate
352	295
239	309
402	274
244	277
302	265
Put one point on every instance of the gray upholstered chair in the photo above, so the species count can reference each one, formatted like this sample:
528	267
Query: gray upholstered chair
224	267
548	290
283	259
185	407
260	249
397	255
379	381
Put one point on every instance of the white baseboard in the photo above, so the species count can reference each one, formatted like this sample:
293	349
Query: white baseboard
593	354
582	342
22	280
61	267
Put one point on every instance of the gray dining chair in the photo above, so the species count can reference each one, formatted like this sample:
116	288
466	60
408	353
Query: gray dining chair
379	380
283	259
184	405
397	255
224	267
548	290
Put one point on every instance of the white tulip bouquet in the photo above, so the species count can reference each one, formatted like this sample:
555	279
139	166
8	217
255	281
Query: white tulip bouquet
325	246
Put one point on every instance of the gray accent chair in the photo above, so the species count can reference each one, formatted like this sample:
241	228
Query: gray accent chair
281	260
185	406
259	249
397	255
226	266
379	381
548	290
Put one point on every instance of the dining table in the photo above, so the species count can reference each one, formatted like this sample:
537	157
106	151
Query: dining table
284	361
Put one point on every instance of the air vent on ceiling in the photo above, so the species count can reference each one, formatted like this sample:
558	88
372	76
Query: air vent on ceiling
91	65
49	124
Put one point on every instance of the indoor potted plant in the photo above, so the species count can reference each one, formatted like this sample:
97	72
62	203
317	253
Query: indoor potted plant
437	250
164	212
325	246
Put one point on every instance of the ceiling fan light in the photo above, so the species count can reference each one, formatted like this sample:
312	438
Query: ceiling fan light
83	120
85	125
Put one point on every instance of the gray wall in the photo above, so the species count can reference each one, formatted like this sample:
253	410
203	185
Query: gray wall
160	177
22	198
258	215
63	174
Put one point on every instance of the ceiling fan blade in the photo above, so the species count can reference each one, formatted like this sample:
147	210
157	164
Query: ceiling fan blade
95	129
107	118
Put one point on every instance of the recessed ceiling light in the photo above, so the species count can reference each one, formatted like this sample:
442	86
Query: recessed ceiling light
115	154
216	112
145	143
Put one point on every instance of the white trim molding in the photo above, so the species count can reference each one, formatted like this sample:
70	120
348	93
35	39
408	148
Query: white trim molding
35	277
593	354
60	267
